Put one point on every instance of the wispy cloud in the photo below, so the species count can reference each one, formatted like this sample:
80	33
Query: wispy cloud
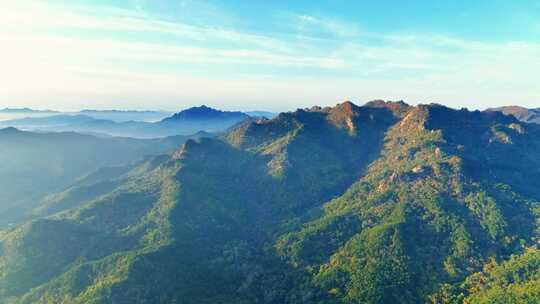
62	53
328	27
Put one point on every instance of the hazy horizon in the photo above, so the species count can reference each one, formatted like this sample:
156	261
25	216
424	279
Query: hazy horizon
240	109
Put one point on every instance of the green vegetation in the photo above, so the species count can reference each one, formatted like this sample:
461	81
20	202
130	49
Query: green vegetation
514	281
377	204
33	165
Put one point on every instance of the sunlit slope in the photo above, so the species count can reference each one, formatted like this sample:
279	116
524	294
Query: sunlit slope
383	203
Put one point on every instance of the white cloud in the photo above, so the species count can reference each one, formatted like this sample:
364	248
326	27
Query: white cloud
40	64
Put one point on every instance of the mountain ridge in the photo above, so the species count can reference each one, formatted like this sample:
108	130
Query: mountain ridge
203	113
381	203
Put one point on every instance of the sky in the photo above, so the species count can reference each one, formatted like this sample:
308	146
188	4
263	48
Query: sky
267	55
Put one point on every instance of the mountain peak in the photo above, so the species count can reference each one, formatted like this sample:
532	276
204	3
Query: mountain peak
347	105
342	115
9	130
399	108
204	112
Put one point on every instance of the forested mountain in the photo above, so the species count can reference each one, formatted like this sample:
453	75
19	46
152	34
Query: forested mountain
383	203
35	164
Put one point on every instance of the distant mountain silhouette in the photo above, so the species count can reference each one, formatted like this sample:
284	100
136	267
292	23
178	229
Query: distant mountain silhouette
25	110
49	121
521	113
185	122
126	115
264	114
204	113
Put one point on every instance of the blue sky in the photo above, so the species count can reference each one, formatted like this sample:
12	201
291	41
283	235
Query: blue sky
270	55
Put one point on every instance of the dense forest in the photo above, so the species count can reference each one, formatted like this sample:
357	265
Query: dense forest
381	203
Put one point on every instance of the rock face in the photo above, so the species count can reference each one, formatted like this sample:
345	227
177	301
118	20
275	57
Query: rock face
382	203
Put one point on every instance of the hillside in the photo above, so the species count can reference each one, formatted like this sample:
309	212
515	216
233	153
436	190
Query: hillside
35	164
383	203
514	281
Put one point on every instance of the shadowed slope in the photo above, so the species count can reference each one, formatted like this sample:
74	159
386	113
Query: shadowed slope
373	204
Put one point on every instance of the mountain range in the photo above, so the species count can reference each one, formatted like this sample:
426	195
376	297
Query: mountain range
125	115
381	203
120	123
114	115
25	110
